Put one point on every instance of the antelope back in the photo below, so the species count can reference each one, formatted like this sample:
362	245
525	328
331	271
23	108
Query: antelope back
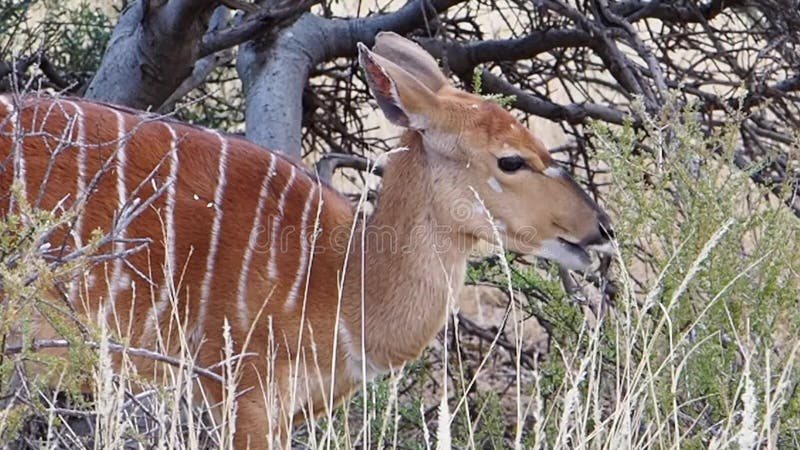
182	227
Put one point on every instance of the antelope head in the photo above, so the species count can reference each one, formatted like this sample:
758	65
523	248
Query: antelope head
479	153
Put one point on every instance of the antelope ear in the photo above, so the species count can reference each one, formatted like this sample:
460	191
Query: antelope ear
404	100
412	57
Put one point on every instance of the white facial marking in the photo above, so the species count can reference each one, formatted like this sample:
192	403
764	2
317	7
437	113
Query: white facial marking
500	225
554	172
495	185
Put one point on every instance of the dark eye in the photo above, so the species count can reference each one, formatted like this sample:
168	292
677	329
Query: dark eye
510	163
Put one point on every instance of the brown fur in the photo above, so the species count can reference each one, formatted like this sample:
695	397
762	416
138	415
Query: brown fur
408	280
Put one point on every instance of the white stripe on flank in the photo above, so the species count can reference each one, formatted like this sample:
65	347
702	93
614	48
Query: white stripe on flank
80	191
300	276
119	247
244	312
121	160
169	247
81	170
16	143
272	266
205	290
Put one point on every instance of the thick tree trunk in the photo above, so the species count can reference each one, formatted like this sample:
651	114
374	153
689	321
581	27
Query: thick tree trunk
273	78
152	51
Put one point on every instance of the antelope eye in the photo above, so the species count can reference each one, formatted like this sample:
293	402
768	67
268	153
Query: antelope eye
510	163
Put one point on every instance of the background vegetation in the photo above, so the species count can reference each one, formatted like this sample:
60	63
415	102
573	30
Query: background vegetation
680	116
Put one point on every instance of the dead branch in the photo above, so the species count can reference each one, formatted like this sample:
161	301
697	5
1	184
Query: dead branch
121	349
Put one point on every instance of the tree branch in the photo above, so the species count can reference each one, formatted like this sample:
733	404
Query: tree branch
574	113
275	73
263	21
52	73
117	348
329	162
463	57
634	10
762	93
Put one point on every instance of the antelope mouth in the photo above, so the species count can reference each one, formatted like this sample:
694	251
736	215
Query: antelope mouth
576	250
569	255
606	248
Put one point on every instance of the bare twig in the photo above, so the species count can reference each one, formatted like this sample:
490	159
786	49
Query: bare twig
332	161
118	348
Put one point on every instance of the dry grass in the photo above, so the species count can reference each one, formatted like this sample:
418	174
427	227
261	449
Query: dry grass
700	349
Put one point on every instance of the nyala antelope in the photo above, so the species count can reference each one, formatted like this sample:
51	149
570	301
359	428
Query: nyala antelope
239	235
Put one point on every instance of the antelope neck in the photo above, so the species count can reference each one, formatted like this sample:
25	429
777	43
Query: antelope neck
413	263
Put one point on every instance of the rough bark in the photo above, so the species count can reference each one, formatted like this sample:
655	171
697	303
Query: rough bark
152	51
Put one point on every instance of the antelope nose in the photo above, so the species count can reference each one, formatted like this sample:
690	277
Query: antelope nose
598	239
606	232
601	238
604	225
